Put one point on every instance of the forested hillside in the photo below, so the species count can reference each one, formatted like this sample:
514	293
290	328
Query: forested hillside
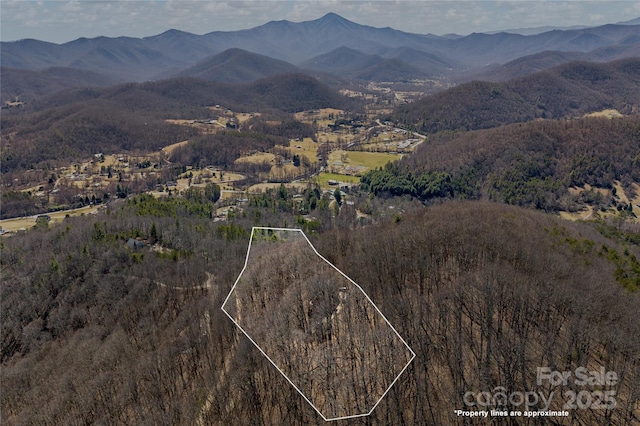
548	59
569	90
532	164
223	149
86	127
483	293
352	64
27	86
238	66
81	122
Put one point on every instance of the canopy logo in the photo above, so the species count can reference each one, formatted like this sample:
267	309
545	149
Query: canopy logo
580	377
599	394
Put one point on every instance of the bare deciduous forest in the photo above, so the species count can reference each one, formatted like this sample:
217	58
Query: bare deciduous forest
78	122
483	293
569	90
534	164
316	325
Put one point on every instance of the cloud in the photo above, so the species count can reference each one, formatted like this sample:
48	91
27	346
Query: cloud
61	21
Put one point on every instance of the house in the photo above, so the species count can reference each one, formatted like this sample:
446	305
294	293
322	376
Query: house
134	244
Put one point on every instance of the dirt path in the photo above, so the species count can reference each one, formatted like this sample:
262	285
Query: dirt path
208	284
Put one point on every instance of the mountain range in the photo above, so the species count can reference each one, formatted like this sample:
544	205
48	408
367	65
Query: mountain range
304	44
568	90
550	58
350	63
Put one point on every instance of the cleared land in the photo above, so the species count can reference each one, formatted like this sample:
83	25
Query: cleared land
288	171
621	196
170	148
262	187
321	116
358	162
306	147
323	179
257	158
18	223
334	137
608	113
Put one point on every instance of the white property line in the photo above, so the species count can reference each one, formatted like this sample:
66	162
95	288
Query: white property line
246	261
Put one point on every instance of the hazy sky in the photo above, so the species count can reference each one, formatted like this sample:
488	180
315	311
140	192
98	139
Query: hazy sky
61	21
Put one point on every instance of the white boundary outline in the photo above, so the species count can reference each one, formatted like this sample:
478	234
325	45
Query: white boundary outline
246	261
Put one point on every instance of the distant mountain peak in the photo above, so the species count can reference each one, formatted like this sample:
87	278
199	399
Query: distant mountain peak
333	16
173	32
330	18
335	19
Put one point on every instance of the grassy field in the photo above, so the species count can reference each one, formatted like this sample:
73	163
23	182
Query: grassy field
56	217
585	214
323	179
281	172
370	160
308	148
227	194
608	113
242	117
333	137
257	158
170	148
